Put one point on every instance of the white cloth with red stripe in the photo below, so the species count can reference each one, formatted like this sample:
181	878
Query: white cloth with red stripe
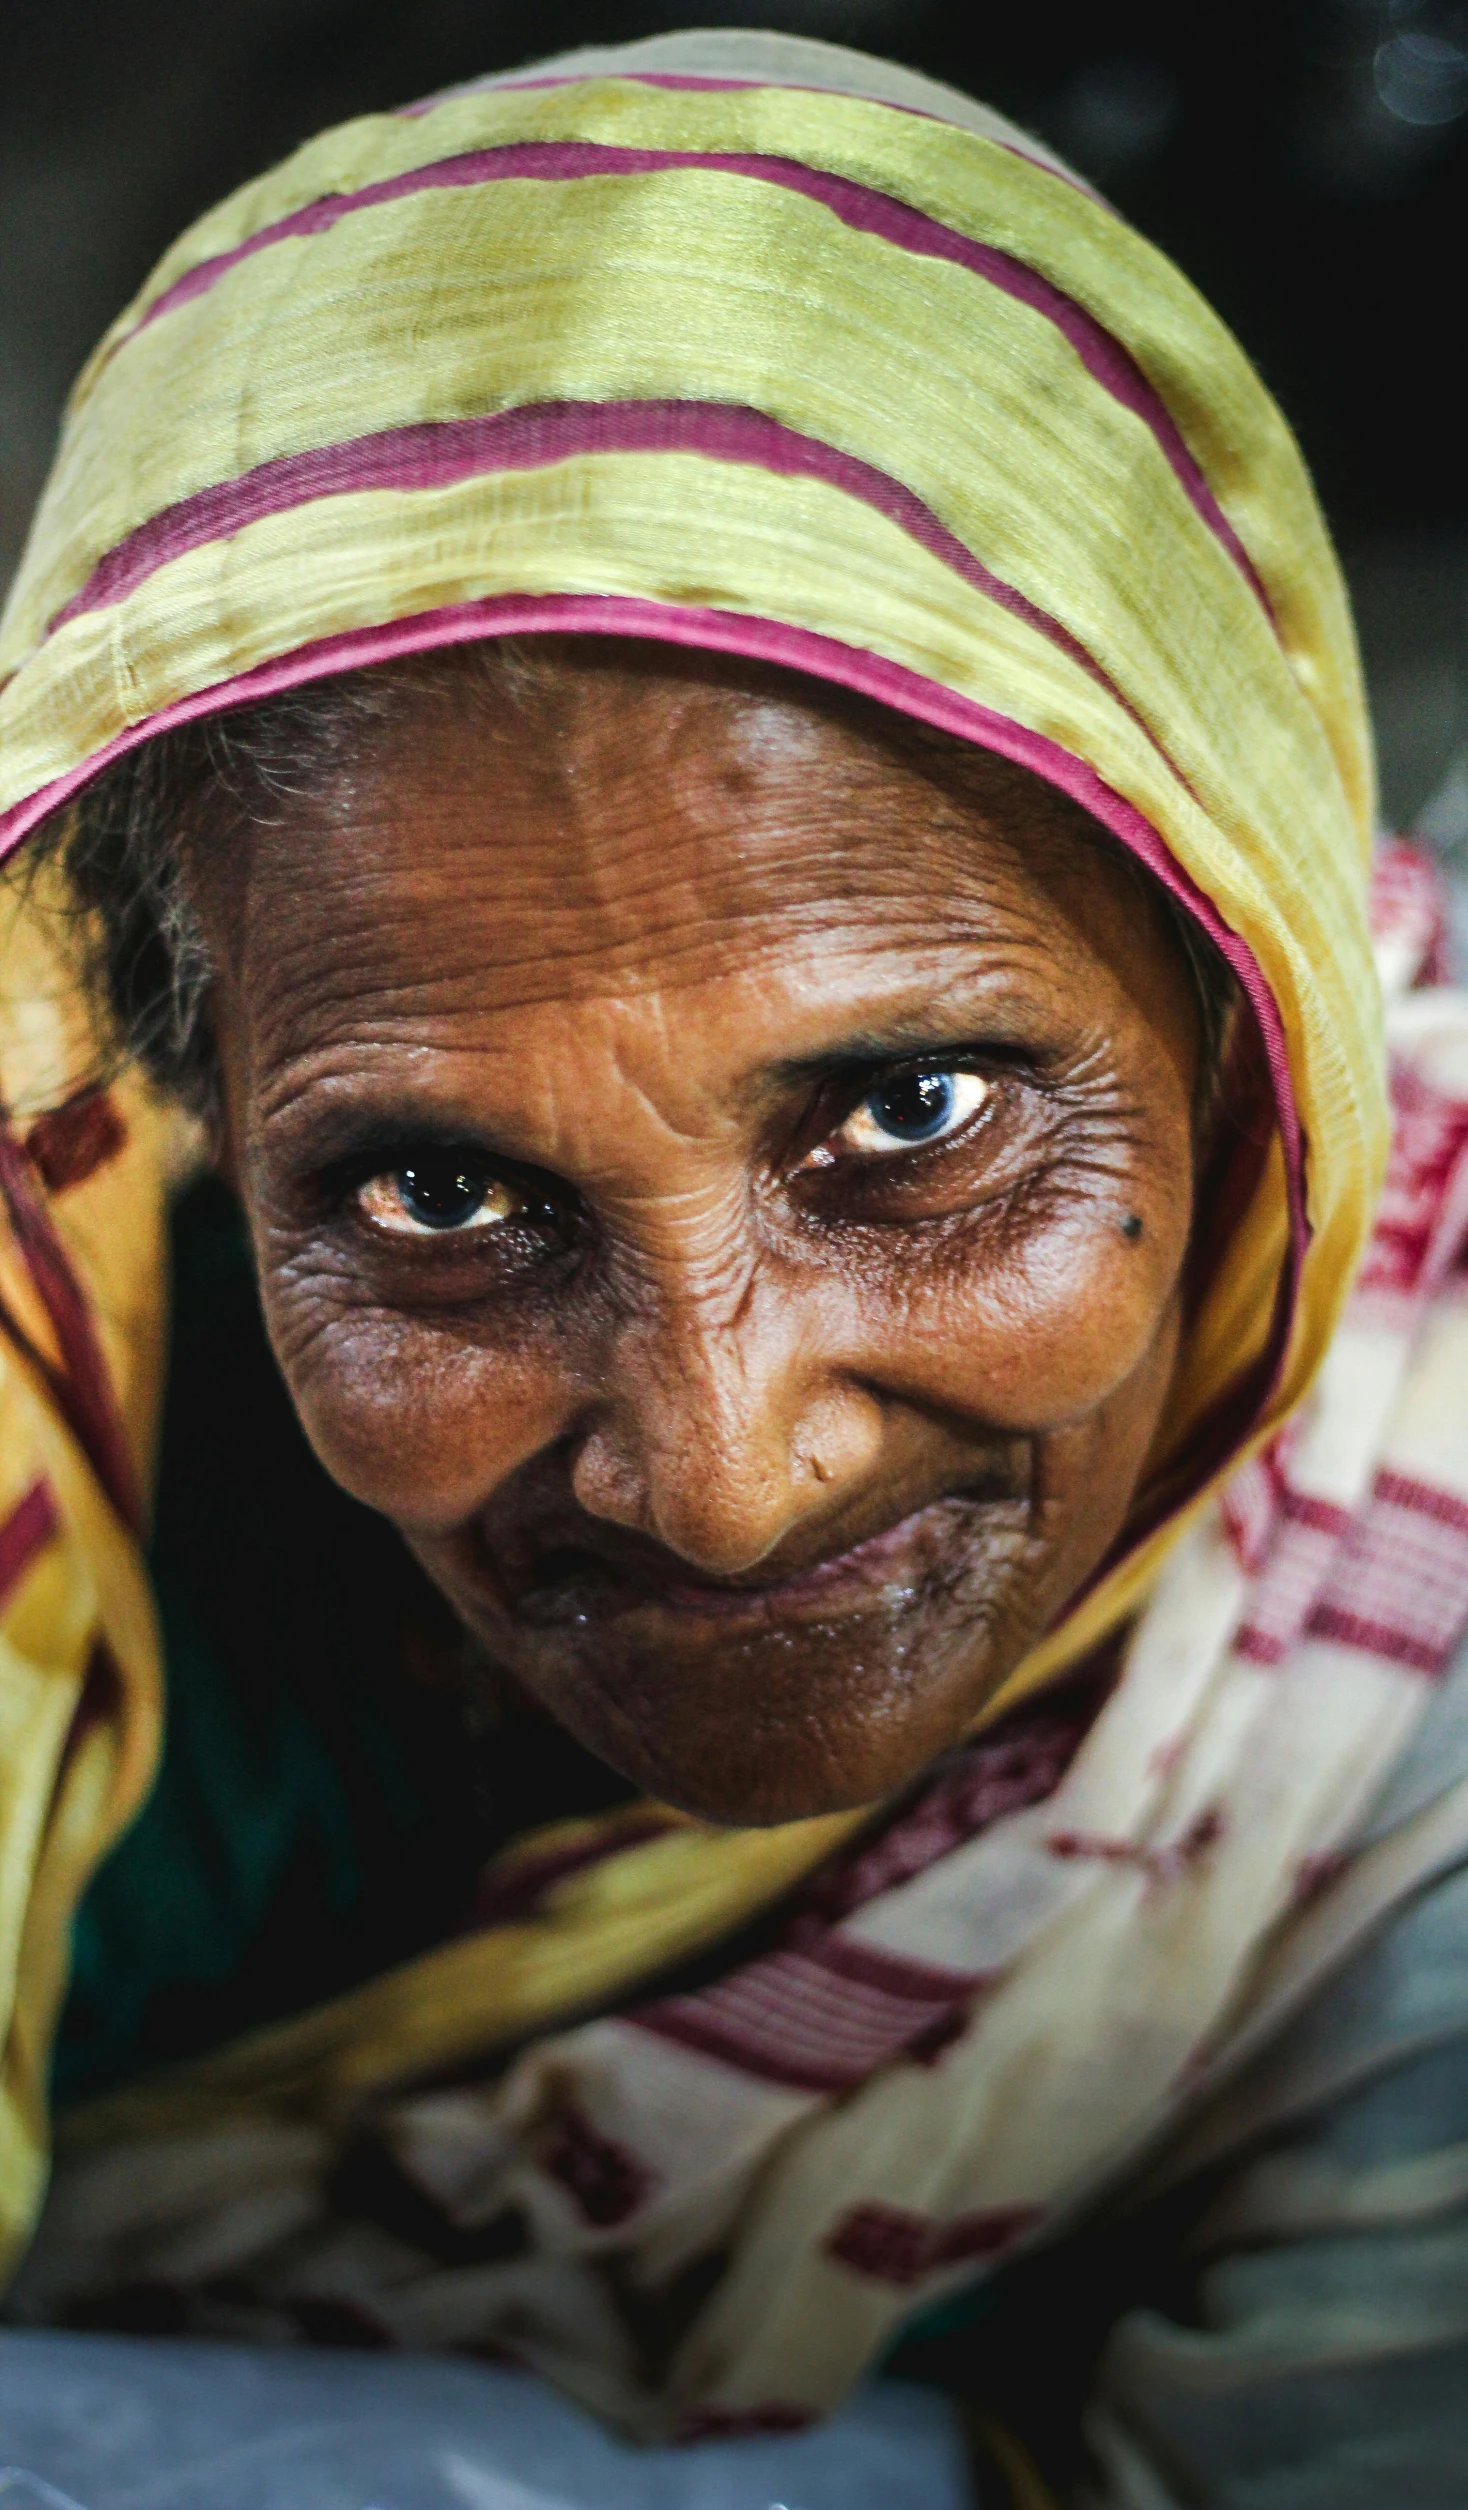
1312	2354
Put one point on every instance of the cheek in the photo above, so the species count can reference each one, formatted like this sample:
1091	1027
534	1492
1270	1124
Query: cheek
415	1421
1047	1335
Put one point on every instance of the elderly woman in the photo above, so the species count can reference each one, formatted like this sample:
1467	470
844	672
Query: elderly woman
693	724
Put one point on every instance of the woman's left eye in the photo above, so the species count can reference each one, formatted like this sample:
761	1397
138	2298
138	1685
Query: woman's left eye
907	1114
434	1194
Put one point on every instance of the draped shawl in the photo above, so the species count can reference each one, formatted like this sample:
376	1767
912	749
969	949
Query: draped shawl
764	348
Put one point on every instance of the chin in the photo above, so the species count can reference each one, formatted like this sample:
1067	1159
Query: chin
768	1731
785	1789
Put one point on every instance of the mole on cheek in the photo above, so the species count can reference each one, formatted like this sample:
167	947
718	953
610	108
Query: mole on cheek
1131	1227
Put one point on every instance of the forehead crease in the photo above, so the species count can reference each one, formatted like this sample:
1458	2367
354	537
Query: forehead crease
740	1017
630	880
408	950
630	818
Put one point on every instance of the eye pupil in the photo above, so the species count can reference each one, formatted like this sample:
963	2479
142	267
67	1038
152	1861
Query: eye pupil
915	1107
440	1192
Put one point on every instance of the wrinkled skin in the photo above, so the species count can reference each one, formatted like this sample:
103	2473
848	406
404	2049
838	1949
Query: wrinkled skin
754	1445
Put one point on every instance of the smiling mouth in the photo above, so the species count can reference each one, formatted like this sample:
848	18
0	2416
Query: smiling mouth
572	1583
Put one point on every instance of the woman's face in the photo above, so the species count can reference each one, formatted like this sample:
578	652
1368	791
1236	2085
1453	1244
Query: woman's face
720	1183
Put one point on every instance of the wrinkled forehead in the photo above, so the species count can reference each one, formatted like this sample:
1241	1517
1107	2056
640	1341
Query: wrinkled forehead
585	820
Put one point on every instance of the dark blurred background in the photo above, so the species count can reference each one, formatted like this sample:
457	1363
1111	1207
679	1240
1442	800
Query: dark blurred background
1306	160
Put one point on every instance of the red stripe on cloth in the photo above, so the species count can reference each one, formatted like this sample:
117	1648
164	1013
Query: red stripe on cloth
1018	1764
826	2006
816	2019
1168	1863
70	1143
1397	1587
1376	1638
856	205
685	82
1389	1580
1259	1647
1401	1490
607	2182
1420	1213
1306	1539
81	1388
1321	1516
865	1964
441	452
24	1535
889	2245
804	2048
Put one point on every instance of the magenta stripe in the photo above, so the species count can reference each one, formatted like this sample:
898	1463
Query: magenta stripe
81	1385
437	453
797	649
1260	1647
860	1963
1378	1638
1404	1490
855	204
1317	1516
24	1535
709	2034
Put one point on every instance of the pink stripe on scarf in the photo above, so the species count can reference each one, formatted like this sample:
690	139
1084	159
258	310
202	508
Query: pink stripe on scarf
855	204
81	1387
27	1530
437	453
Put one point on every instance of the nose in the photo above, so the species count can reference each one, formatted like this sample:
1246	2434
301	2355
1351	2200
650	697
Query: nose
725	1426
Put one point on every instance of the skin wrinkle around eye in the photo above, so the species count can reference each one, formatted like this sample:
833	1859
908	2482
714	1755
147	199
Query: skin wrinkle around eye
758	1476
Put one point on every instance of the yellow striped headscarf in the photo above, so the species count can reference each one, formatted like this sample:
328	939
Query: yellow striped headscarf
758	346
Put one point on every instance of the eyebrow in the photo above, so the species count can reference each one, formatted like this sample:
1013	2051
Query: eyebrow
340	1138
903	1042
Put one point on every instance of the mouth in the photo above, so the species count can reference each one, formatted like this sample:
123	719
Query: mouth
573	1583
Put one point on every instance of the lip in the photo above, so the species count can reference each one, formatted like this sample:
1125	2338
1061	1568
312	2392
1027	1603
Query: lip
877	1562
883	1569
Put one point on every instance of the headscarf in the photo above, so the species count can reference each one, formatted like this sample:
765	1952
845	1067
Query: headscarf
760	347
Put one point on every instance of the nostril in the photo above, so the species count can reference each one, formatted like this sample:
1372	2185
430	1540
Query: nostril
606	1483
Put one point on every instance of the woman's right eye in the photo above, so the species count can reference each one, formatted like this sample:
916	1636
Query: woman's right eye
437	1193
